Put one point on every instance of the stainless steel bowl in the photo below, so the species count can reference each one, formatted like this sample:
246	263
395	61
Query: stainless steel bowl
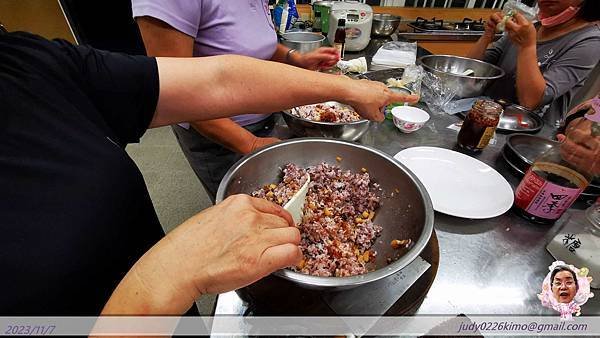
385	24
349	131
303	42
522	149
408	214
520	119
449	68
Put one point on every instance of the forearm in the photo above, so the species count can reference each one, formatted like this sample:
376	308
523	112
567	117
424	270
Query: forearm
149	288
530	81
479	48
225	86
281	55
227	133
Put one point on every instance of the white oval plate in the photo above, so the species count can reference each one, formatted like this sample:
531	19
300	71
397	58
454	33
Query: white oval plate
459	185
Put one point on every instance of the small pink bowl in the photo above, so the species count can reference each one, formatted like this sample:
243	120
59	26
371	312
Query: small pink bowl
409	119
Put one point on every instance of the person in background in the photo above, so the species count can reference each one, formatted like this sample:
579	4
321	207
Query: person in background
186	28
76	213
545	63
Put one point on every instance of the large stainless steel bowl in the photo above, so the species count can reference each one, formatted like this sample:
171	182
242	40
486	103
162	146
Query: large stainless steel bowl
349	131
407	214
303	42
385	24
450	68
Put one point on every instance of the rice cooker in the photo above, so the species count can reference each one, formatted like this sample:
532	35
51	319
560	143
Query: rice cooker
359	19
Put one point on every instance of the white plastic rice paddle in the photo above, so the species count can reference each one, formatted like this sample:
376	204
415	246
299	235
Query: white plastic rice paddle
468	72
296	203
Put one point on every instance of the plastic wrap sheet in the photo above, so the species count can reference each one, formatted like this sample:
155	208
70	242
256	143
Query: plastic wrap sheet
436	93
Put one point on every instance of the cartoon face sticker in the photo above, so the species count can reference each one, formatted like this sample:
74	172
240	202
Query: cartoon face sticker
564	284
565	289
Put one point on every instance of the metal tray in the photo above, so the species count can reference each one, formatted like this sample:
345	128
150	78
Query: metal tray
520	150
523	149
383	75
518	119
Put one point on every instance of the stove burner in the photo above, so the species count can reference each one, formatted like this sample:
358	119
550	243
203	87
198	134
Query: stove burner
478	25
432	24
466	25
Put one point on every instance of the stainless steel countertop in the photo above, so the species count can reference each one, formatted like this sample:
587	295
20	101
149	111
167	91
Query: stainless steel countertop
493	266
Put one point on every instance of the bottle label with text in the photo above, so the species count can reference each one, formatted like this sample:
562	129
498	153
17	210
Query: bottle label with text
544	199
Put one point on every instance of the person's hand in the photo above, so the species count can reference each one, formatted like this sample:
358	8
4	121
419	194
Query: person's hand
228	246
490	25
585	105
579	147
321	58
260	142
235	243
369	98
521	32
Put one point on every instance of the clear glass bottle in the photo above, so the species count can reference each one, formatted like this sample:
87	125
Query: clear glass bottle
557	177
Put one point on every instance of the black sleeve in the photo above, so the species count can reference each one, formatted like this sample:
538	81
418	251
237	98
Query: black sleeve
123	88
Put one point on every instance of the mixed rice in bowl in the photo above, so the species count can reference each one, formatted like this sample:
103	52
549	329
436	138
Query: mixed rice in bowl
338	230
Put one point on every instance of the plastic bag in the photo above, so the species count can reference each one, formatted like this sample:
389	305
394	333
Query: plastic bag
436	93
412	78
512	7
396	54
410	83
284	15
353	66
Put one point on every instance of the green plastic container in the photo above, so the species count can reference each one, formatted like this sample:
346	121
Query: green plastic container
324	7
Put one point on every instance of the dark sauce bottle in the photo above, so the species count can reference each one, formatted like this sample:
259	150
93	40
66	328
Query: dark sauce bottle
340	37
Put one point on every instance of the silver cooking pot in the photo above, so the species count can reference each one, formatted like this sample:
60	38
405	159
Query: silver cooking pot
303	42
406	211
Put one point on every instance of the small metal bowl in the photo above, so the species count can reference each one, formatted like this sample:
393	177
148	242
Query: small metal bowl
385	24
348	131
520	119
522	149
303	42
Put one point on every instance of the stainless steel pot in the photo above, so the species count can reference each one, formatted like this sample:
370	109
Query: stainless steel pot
450	68
302	41
408	214
385	24
349	131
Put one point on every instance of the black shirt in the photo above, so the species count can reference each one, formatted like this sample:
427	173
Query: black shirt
75	213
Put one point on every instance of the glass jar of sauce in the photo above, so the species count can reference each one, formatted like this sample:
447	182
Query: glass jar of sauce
479	125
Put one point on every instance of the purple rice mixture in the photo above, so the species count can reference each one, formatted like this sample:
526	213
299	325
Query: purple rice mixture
337	228
324	112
